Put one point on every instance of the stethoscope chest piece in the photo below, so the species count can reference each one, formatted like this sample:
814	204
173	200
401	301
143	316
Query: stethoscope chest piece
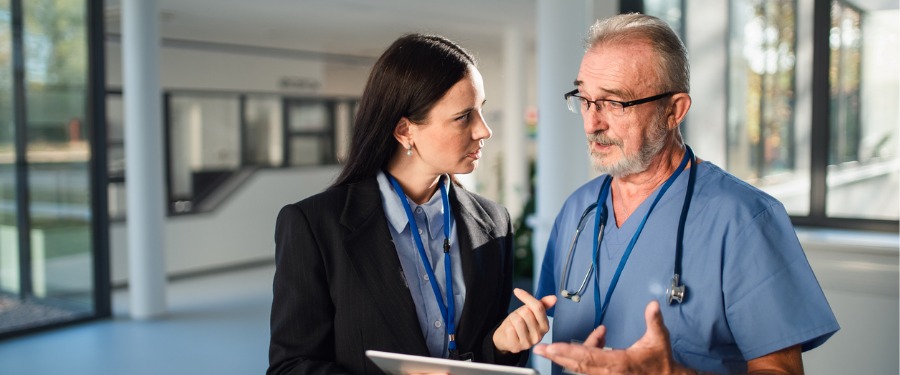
675	292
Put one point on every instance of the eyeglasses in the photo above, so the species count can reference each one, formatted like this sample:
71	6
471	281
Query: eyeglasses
580	104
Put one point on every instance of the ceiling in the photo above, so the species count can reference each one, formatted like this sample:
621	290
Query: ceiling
349	27
361	28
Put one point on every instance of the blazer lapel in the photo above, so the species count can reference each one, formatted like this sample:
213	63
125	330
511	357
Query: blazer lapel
479	271
371	250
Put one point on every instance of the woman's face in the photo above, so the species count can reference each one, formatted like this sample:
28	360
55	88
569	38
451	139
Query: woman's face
451	138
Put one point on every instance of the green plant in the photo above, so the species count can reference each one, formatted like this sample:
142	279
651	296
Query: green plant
524	255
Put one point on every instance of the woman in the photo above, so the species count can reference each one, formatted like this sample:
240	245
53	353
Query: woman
369	263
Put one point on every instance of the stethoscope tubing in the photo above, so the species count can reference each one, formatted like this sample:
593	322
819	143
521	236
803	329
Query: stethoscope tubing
675	293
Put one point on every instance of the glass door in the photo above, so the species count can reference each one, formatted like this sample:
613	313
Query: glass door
48	244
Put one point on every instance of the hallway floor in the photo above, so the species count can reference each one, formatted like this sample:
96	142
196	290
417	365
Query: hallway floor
217	324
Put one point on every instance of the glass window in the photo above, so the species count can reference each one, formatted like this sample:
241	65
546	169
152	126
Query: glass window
306	150
264	137
204	136
345	114
308	117
9	240
667	10
770	144
311	127
115	154
863	164
55	281
58	153
763	141
212	135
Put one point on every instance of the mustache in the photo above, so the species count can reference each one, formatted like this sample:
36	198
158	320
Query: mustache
604	139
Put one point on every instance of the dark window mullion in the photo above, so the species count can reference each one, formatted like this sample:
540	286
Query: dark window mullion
23	204
285	133
243	133
167	144
631	6
821	97
99	162
330	156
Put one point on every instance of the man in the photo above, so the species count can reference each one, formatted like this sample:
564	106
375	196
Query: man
739	295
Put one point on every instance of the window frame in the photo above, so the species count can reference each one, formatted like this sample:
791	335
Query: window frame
821	135
820	129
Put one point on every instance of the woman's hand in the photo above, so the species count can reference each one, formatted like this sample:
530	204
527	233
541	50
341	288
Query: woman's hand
525	326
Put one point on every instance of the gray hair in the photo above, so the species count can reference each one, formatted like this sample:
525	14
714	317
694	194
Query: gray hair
672	67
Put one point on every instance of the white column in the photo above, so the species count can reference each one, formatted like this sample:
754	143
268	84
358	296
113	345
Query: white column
515	158
562	161
707	45
144	158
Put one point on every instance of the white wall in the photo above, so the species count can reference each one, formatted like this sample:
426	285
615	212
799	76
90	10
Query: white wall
240	231
859	274
237	71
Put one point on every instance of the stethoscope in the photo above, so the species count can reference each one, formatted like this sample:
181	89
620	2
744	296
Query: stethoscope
676	291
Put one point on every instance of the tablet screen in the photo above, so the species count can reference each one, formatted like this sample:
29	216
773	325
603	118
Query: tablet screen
402	364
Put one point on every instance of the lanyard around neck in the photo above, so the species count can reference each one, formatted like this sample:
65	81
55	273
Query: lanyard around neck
601	306
448	311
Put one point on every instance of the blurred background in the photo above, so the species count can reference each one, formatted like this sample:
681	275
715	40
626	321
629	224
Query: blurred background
253	103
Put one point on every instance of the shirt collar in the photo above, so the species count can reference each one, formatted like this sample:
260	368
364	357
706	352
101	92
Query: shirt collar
396	215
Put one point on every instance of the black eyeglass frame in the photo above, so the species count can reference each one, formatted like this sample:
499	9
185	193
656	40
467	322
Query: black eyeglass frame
624	105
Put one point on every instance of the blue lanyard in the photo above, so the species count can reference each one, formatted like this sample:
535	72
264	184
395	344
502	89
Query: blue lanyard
448	312
601	306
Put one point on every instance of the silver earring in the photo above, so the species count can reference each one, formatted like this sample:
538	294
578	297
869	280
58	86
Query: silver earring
409	150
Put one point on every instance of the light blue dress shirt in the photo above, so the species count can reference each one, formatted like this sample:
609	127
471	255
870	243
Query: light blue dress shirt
750	289
430	220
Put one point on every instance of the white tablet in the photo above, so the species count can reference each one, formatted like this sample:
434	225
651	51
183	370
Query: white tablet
402	364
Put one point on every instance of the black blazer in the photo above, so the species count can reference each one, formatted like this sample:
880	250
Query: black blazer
339	287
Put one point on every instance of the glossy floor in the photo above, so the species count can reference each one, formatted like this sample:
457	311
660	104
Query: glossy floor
217	324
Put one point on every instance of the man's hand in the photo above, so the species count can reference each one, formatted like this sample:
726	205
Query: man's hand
651	354
525	326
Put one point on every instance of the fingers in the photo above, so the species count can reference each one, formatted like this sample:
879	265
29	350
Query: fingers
526	325
597	338
511	336
656	339
537	308
656	328
548	301
569	356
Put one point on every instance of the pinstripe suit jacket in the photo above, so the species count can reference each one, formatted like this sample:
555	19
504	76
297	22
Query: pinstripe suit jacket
339	290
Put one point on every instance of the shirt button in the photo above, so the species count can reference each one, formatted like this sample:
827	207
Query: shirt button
438	324
419	209
426	277
421	232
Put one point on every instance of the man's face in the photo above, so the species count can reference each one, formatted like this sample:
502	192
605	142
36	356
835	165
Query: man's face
624	142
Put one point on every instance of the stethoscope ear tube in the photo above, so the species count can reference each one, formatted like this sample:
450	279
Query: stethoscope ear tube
564	290
677	291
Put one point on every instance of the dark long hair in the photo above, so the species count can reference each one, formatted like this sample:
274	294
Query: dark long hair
406	81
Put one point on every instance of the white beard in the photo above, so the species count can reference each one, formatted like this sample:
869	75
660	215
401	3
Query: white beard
652	142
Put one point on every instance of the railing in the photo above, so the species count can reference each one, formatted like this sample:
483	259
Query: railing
215	140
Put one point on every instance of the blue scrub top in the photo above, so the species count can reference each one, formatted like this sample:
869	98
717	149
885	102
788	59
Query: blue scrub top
750	289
